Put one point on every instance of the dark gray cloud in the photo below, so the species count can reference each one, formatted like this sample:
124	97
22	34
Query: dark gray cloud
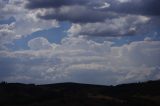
34	4
141	7
75	14
76	11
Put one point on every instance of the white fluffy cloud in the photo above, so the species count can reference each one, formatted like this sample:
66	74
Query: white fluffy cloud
25	23
80	60
122	26
39	43
7	34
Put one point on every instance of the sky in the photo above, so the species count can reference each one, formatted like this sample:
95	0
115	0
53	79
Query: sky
104	42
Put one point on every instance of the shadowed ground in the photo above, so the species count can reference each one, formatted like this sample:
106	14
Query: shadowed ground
74	94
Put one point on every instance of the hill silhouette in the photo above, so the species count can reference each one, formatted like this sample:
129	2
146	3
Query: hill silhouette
75	94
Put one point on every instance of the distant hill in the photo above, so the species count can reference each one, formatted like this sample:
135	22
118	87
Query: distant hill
74	94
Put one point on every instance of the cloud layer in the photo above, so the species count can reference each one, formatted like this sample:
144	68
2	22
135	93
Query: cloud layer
101	18
98	63
89	52
142	7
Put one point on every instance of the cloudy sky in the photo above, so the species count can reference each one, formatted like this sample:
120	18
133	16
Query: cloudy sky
86	41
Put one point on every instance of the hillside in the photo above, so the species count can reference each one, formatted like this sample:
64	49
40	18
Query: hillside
74	94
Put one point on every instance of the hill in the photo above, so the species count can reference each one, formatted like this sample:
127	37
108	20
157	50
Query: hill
74	94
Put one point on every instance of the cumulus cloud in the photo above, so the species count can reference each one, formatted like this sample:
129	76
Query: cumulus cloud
7	34
14	18
123	26
39	43
100	18
74	58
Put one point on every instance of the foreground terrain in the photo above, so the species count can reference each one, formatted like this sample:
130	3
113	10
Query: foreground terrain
74	94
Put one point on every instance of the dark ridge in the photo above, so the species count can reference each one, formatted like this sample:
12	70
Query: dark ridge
77	94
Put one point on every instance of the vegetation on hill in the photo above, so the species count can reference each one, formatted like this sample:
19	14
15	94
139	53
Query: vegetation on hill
74	94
